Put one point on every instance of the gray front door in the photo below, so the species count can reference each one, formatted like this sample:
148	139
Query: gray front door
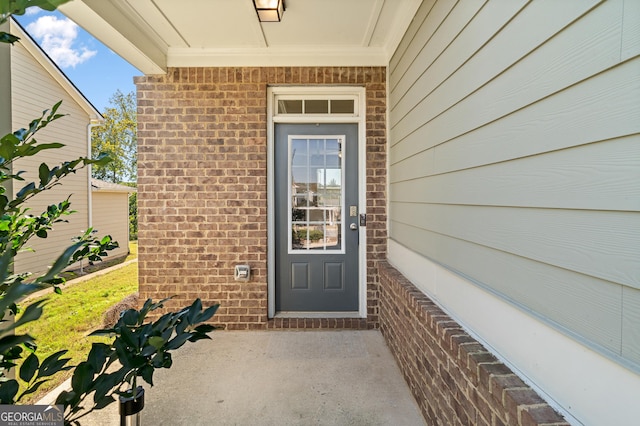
316	210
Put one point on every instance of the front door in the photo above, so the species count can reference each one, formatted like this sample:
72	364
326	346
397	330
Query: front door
316	210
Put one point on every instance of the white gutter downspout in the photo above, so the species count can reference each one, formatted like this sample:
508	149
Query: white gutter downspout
94	123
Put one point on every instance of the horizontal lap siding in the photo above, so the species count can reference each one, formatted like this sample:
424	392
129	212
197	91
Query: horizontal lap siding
110	211
34	90
515	157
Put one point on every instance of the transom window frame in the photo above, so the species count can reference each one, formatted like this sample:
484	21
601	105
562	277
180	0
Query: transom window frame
305	111
277	113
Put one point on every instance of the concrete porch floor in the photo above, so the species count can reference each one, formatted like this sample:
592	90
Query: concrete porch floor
278	378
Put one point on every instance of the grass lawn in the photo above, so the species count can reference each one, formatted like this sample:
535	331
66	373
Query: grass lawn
69	317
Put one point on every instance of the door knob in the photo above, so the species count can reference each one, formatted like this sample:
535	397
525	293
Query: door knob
353	227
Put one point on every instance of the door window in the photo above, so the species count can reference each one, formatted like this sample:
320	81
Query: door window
316	196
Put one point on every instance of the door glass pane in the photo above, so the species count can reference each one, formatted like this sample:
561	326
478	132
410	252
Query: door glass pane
316	173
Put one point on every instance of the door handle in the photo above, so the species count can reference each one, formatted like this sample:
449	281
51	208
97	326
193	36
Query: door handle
353	227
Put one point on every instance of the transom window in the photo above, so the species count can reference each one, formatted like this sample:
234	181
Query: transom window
316	106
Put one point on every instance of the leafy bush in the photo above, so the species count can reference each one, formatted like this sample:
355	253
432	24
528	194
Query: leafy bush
139	346
314	234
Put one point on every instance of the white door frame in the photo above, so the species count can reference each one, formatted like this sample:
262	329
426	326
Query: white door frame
359	117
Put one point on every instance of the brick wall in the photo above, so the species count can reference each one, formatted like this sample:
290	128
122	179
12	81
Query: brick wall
454	379
202	186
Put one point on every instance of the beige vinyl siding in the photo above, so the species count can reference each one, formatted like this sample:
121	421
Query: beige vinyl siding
111	217
34	90
5	90
515	157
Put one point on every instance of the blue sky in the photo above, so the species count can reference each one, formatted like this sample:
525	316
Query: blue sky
90	65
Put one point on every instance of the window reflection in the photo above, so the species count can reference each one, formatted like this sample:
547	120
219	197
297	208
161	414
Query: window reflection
315	166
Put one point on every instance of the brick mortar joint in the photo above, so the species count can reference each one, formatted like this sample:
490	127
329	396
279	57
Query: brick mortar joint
523	408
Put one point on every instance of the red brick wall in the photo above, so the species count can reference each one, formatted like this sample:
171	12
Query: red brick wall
202	186
454	379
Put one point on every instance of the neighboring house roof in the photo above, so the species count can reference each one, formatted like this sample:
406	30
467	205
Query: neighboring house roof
98	185
61	78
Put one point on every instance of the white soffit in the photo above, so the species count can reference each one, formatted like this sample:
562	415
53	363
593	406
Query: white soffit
156	34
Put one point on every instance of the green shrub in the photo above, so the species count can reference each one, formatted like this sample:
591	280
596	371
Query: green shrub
314	234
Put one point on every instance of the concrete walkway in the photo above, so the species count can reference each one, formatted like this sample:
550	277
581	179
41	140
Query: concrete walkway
278	378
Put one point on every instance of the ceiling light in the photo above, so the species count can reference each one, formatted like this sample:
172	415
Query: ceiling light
269	10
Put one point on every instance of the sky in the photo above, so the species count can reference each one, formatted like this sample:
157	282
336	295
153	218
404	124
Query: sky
92	67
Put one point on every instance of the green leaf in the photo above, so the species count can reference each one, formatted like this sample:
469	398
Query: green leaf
29	367
60	263
178	341
147	351
204	328
208	313
16	291
194	310
198	336
163	322
30	187
82	378
146	308
156	341
129	317
12	354
8	342
162	360
103	384
19	7
98	355
66	398
53	364
8	391
5	268
129	338
31	313
108	332
146	373
43	173
33	388
34	149
30	345
103	402
102	159
124	355
8	38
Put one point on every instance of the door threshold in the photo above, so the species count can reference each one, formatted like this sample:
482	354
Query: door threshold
304	314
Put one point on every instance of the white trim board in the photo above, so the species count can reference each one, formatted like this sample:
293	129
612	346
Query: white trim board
359	118
321	315
584	386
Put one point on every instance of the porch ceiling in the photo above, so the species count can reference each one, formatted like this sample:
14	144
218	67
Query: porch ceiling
156	34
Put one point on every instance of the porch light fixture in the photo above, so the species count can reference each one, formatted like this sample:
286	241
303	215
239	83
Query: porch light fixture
269	10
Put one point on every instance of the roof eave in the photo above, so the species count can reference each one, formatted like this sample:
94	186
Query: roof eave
56	73
149	60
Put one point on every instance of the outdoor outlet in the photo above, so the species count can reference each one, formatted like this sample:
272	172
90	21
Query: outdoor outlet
242	273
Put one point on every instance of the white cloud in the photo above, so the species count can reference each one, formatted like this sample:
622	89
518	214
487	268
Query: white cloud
58	38
32	11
